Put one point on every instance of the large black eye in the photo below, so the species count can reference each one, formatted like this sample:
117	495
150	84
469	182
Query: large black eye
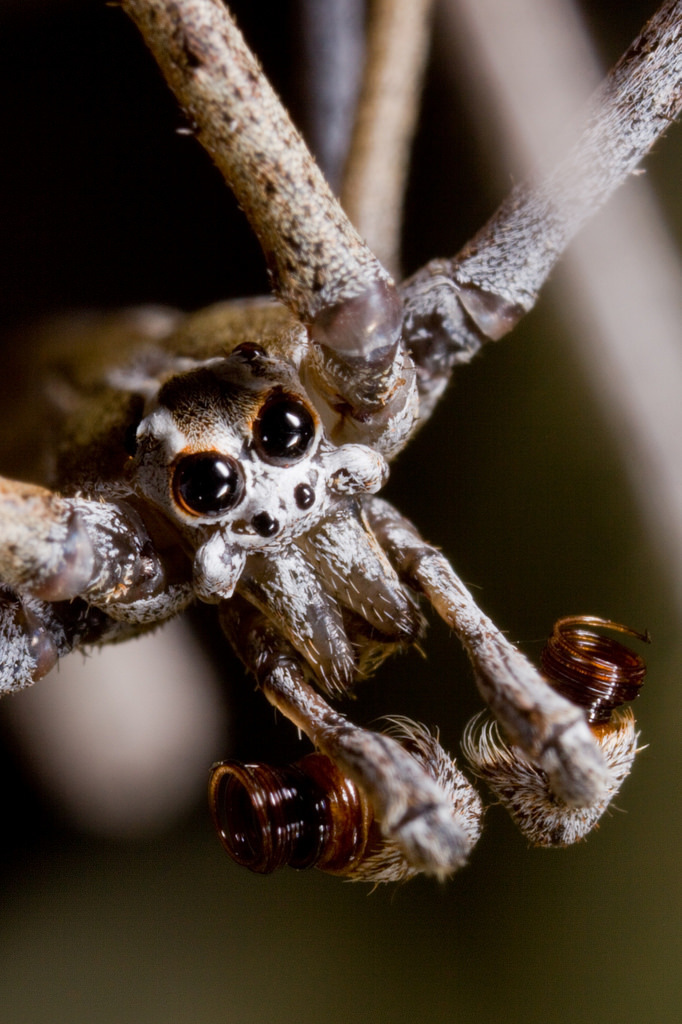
208	484
284	429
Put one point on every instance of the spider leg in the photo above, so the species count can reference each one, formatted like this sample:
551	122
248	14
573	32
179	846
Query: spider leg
45	546
288	590
356	570
59	548
337	567
412	809
35	634
454	306
523	789
54	550
30	647
319	265
551	730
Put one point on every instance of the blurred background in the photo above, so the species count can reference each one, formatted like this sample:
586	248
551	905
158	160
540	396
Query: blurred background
108	914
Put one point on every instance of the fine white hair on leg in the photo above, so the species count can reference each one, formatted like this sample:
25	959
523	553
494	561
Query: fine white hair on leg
549	728
524	790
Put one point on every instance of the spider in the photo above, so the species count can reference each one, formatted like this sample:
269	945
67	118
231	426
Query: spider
234	455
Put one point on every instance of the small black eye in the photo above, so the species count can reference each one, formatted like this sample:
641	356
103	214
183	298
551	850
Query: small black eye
265	524
304	496
284	429
249	352
208	484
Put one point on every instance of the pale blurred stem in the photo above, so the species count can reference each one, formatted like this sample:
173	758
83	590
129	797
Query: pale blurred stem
378	159
499	273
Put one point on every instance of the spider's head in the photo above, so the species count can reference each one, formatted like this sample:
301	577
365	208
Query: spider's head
235	454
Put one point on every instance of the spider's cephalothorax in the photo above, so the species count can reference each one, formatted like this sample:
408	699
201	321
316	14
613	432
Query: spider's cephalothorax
234	448
233	456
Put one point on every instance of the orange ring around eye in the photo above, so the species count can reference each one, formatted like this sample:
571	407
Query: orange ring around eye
207	483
